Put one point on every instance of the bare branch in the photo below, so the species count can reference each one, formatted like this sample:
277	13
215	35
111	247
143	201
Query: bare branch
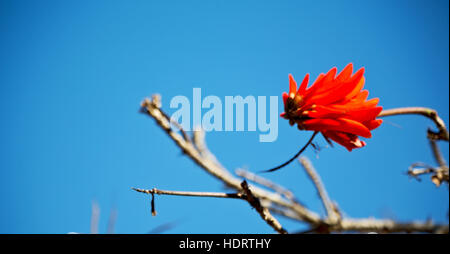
265	182
216	170
427	112
263	211
332	214
191	193
437	154
279	203
390	226
247	195
438	175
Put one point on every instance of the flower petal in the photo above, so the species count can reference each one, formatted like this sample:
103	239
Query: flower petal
320	111
315	85
302	88
285	97
373	124
364	114
346	73
292	85
349	141
355	90
339	124
334	91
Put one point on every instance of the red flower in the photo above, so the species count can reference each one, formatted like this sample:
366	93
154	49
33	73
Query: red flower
334	105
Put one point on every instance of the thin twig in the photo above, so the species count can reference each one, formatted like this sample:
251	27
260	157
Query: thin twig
427	112
390	226
191	193
332	215
263	211
265	182
437	154
247	195
202	148
438	175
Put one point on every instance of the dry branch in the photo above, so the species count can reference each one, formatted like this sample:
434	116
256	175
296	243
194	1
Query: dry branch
427	112
332	213
215	169
265	182
246	195
265	200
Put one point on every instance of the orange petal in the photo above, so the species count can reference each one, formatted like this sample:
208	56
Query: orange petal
355	90
339	124
324	85
345	73
358	74
356	103
362	96
335	91
373	124
317	83
364	114
349	141
372	102
302	88
292	85
325	112
285	97
331	74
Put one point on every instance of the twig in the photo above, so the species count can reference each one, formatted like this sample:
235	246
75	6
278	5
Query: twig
191	193
427	112
437	154
156	102
263	211
202	148
438	175
265	182
390	226
441	173
247	195
332	214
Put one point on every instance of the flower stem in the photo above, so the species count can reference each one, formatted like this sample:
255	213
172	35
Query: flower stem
295	156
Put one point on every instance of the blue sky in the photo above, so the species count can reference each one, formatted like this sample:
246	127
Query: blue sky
73	74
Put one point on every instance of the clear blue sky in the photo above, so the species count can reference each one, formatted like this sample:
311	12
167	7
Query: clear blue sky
73	73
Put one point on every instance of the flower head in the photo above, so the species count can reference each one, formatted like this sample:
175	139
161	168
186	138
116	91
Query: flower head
334	105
